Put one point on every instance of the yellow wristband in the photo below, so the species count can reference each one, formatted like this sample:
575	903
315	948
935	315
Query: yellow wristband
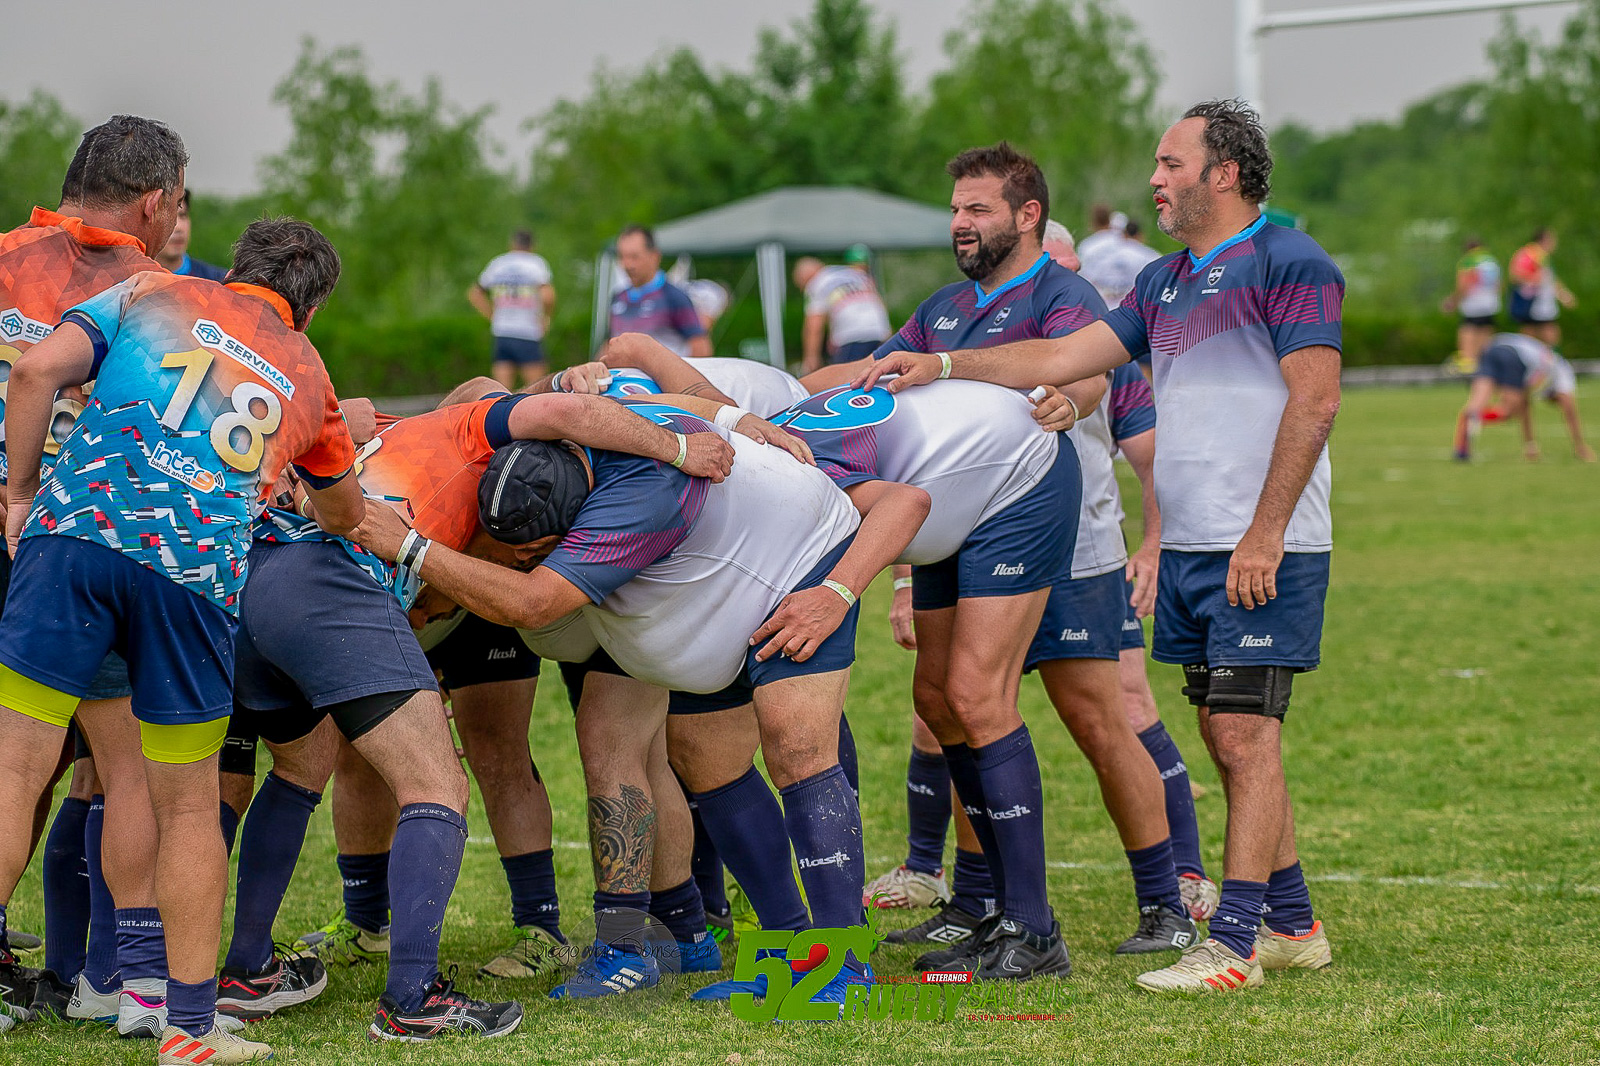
683	450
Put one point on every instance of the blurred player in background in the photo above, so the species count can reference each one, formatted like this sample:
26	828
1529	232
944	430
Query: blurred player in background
516	295
651	304
1476	299
843	303
1537	295
174	255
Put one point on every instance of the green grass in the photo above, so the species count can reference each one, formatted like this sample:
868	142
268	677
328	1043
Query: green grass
1443	769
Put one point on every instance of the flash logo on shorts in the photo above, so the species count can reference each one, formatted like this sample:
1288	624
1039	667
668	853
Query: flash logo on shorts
1002	570
1249	641
1074	634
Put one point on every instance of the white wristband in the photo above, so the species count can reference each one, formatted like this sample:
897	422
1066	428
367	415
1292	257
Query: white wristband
902	583
1072	405
728	417
683	450
842	589
944	364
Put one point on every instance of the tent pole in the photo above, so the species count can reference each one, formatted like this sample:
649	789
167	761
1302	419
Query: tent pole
600	327
770	271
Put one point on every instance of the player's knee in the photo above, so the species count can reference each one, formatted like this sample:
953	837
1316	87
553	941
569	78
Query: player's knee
1254	690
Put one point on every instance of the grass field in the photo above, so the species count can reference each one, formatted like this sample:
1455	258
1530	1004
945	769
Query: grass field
1443	764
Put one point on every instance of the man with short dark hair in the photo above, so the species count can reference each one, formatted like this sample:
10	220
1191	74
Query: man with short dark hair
203	395
118	203
651	304
515	294
175	254
1244	329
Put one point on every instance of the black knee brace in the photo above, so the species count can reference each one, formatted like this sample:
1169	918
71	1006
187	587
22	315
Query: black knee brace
1262	690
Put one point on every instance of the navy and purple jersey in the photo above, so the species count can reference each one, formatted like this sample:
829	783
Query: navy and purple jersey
658	309
1127	410
1216	328
972	446
680	571
1047	300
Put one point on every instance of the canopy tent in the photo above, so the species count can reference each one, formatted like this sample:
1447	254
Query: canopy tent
798	218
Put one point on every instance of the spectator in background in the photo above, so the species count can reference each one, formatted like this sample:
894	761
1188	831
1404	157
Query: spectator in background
1112	263
1476	299
651	304
1102	228
710	300
515	294
175	256
1537	295
843	302
1058	245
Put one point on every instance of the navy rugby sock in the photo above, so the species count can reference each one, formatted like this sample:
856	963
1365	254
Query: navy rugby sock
366	889
230	826
747	825
1014	797
429	840
100	961
968	783
1180	799
706	865
66	890
274	831
927	811
1155	881
192	1007
971	889
141	944
680	910
847	757
621	918
824	824
1287	908
532	878
1238	915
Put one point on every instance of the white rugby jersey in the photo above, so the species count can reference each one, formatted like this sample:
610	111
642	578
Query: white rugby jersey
974	447
679	571
850	300
1126	411
757	387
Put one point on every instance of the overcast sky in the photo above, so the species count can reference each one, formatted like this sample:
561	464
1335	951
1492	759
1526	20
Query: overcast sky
208	68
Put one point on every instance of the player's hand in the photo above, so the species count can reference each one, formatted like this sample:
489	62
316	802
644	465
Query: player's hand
361	418
1253	570
1052	411
800	624
382	531
759	429
905	634
914	368
585	379
708	456
1142	569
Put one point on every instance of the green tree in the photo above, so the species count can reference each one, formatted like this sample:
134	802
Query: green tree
1068	81
37	139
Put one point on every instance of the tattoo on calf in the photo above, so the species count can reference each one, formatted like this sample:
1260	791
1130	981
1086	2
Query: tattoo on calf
622	835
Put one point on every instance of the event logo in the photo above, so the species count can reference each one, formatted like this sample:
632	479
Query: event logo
799	966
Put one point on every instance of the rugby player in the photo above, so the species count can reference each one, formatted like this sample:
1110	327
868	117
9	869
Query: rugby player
203	395
1253	309
842	302
651	304
1476	298
1517	367
369	675
644	553
119	201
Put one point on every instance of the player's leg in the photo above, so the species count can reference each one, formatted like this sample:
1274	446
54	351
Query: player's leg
491	716
364	817
66	892
238	766
503	367
919	881
1568	403
1470	422
675	899
530	365
1199	892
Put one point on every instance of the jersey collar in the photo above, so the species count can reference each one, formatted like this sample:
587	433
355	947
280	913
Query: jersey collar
633	294
1243	235
93	236
984	299
261	292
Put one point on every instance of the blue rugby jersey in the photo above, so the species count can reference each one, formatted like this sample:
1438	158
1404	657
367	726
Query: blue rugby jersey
659	309
1216	327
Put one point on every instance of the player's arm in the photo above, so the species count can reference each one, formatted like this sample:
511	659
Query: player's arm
596	422
1059	409
478	297
830	377
471	391
1085	353
669	372
1144	564
900	611
811	332
700	346
735	419
891	514
525	600
547	300
1312	375
66	357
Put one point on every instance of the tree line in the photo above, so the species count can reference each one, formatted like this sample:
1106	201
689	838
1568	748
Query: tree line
417	195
